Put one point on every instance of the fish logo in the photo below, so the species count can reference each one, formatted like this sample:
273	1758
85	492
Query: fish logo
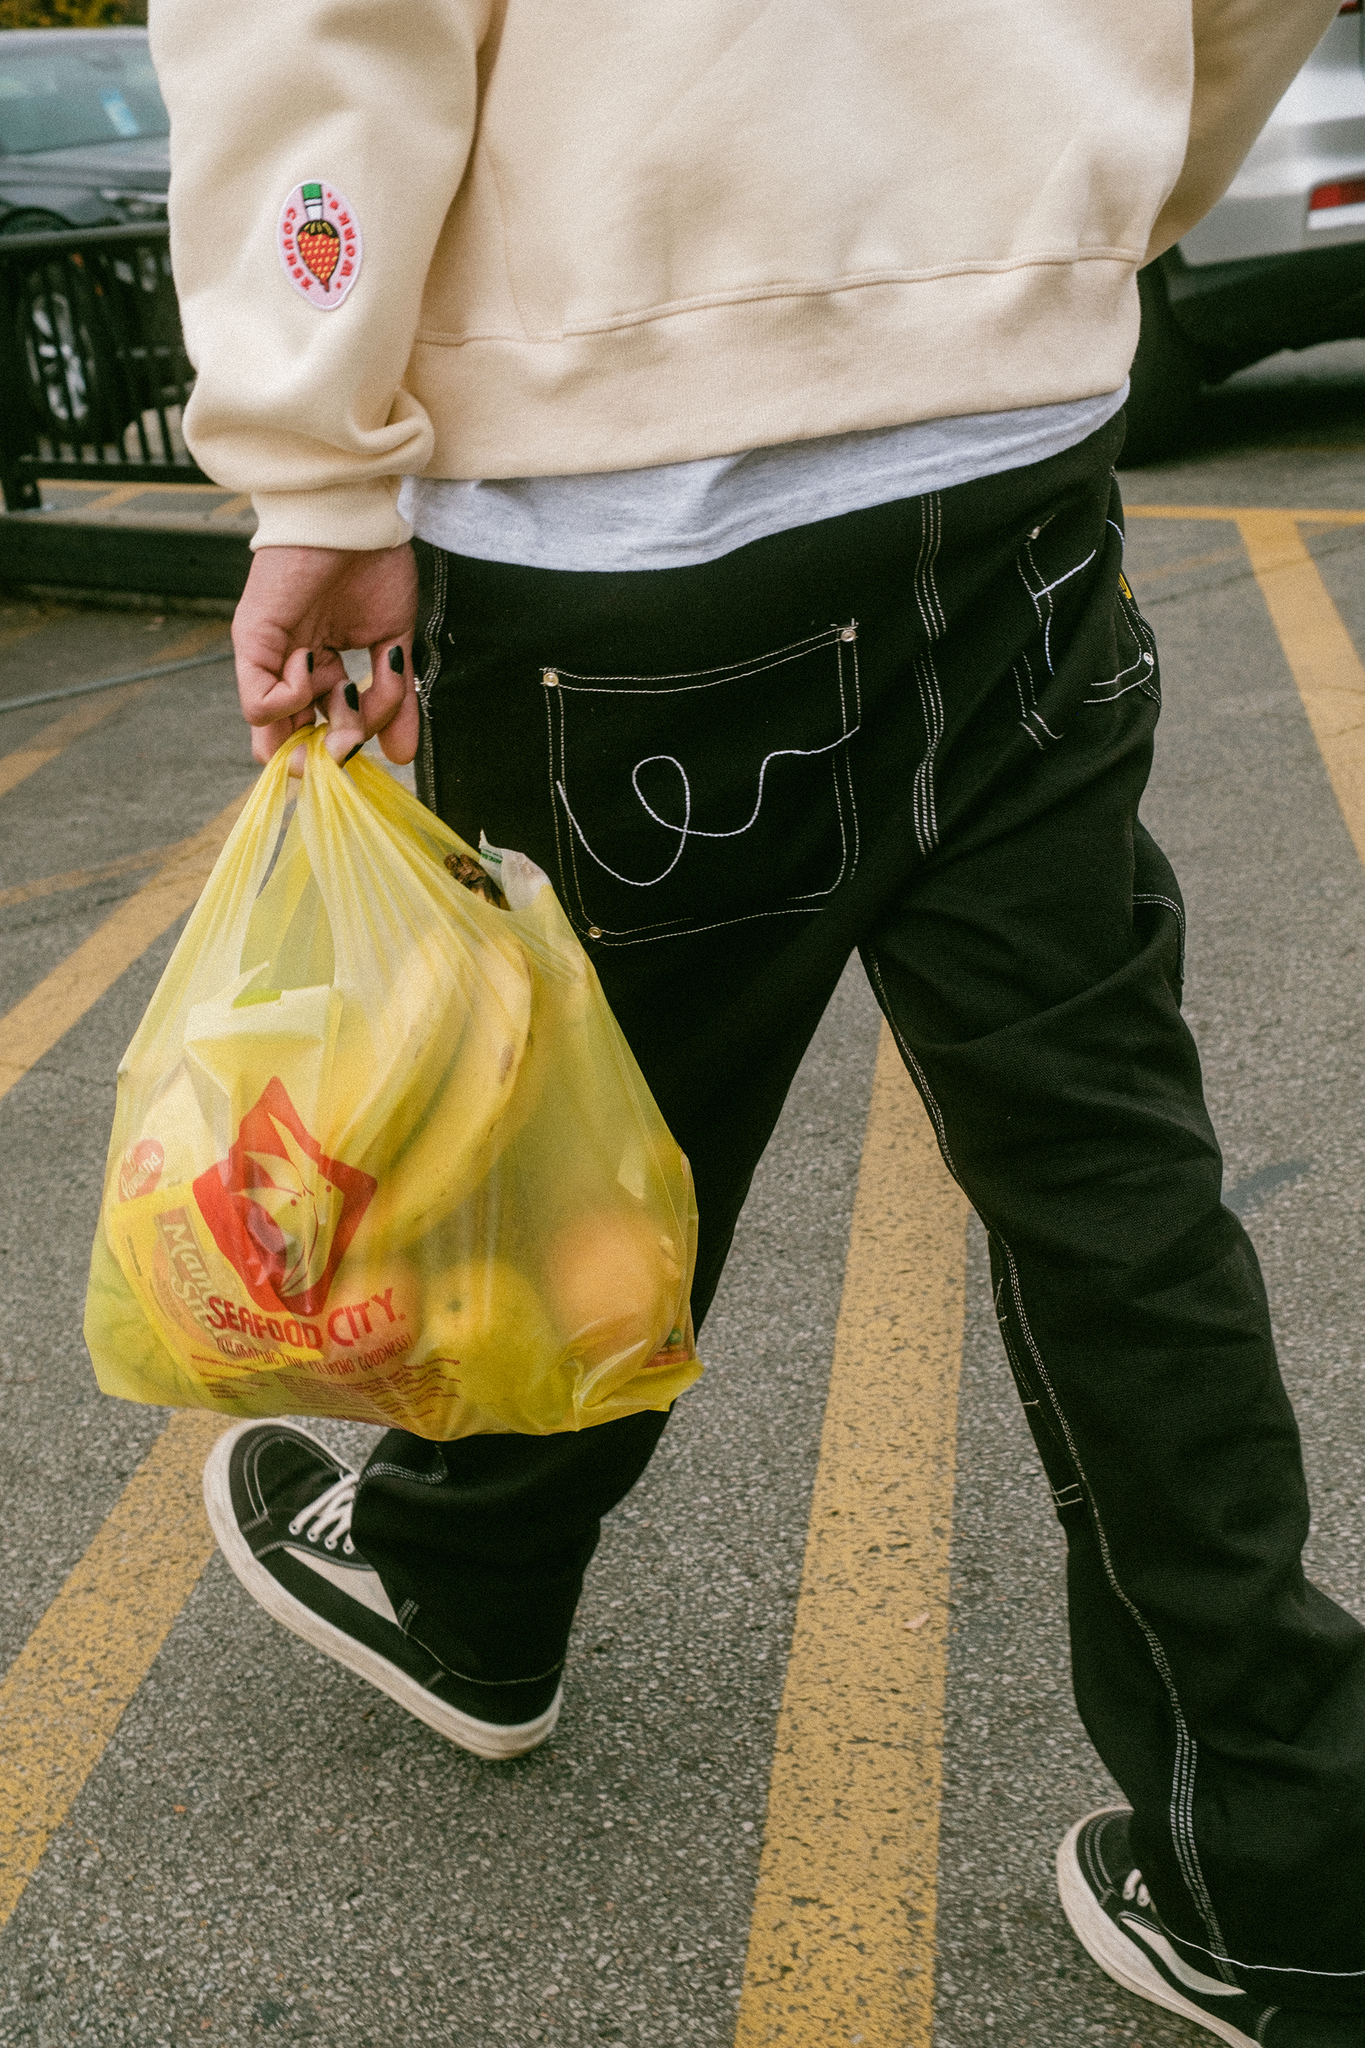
319	244
281	1212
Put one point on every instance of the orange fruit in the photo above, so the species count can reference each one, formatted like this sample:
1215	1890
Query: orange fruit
614	1284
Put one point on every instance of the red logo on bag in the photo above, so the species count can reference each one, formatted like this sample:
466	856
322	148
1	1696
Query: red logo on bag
280	1211
140	1169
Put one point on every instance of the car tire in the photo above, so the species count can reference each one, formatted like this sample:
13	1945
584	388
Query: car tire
70	393
59	353
1166	379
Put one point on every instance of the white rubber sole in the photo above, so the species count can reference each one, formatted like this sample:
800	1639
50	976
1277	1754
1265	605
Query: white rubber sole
1121	1958
486	1739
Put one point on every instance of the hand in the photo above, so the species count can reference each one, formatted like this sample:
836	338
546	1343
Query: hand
301	606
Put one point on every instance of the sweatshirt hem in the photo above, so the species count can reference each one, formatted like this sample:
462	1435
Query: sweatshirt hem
720	379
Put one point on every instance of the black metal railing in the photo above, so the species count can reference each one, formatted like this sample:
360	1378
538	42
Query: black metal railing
93	371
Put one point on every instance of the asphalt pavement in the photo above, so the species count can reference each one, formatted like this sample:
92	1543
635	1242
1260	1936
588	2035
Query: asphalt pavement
266	1849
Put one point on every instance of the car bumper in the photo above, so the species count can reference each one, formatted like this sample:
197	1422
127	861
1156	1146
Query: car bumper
1235	313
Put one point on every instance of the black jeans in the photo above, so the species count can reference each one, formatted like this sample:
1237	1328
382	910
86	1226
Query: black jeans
923	731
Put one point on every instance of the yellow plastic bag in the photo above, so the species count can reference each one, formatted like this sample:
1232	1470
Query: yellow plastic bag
381	1150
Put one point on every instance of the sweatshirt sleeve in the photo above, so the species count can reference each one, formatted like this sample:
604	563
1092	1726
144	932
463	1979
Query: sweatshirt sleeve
1246	53
299	396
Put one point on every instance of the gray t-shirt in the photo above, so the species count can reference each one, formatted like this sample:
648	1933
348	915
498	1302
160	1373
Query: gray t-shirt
688	512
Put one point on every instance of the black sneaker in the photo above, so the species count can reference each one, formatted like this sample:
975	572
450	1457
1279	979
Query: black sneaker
280	1505
1113	1918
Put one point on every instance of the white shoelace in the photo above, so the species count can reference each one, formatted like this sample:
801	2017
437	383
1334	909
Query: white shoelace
1133	1887
328	1519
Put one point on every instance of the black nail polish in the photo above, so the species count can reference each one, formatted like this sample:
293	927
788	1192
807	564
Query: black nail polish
310	662
352	696
396	660
354	751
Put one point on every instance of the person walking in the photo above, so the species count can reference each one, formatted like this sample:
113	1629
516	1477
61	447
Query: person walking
751	379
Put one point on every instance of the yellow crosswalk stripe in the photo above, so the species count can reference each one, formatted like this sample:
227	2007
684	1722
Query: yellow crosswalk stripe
64	1694
47	1013
53	739
841	1944
81	878
1320	652
66	1691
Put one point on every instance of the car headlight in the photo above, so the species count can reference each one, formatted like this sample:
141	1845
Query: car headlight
135	205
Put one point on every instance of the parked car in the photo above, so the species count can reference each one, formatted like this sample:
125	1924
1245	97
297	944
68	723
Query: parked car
83	130
1279	262
83	144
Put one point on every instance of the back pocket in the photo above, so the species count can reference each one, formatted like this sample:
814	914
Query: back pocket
717	796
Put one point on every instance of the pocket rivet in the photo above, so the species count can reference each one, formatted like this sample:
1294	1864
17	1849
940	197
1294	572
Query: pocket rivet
594	931
550	678
849	633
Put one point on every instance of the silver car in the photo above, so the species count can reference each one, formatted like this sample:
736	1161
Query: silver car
1280	261
83	132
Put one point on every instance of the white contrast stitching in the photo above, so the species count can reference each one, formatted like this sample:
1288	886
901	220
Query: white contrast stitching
404	1472
676	928
687	830
1044	592
426	683
1265	1969
1030	715
1144	668
920	1078
554	807
935	623
567	682
1182	1790
1186	1756
1170	904
695	678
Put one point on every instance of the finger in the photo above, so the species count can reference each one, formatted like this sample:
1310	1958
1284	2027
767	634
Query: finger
345	708
328	673
369	708
268	695
266	740
399	728
401	735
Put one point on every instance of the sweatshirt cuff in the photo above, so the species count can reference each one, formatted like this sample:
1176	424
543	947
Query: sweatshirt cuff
363	515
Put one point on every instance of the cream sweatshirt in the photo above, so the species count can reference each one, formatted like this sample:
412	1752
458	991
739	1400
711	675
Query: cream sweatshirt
606	234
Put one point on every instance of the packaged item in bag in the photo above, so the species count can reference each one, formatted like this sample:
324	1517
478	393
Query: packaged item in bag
380	1149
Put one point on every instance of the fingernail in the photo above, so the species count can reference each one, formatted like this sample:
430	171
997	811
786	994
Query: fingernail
352	696
354	751
310	663
396	660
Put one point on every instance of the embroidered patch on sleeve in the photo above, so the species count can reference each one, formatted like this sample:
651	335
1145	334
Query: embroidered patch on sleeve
319	244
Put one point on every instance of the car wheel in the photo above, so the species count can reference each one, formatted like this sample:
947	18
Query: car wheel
62	361
1166	379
